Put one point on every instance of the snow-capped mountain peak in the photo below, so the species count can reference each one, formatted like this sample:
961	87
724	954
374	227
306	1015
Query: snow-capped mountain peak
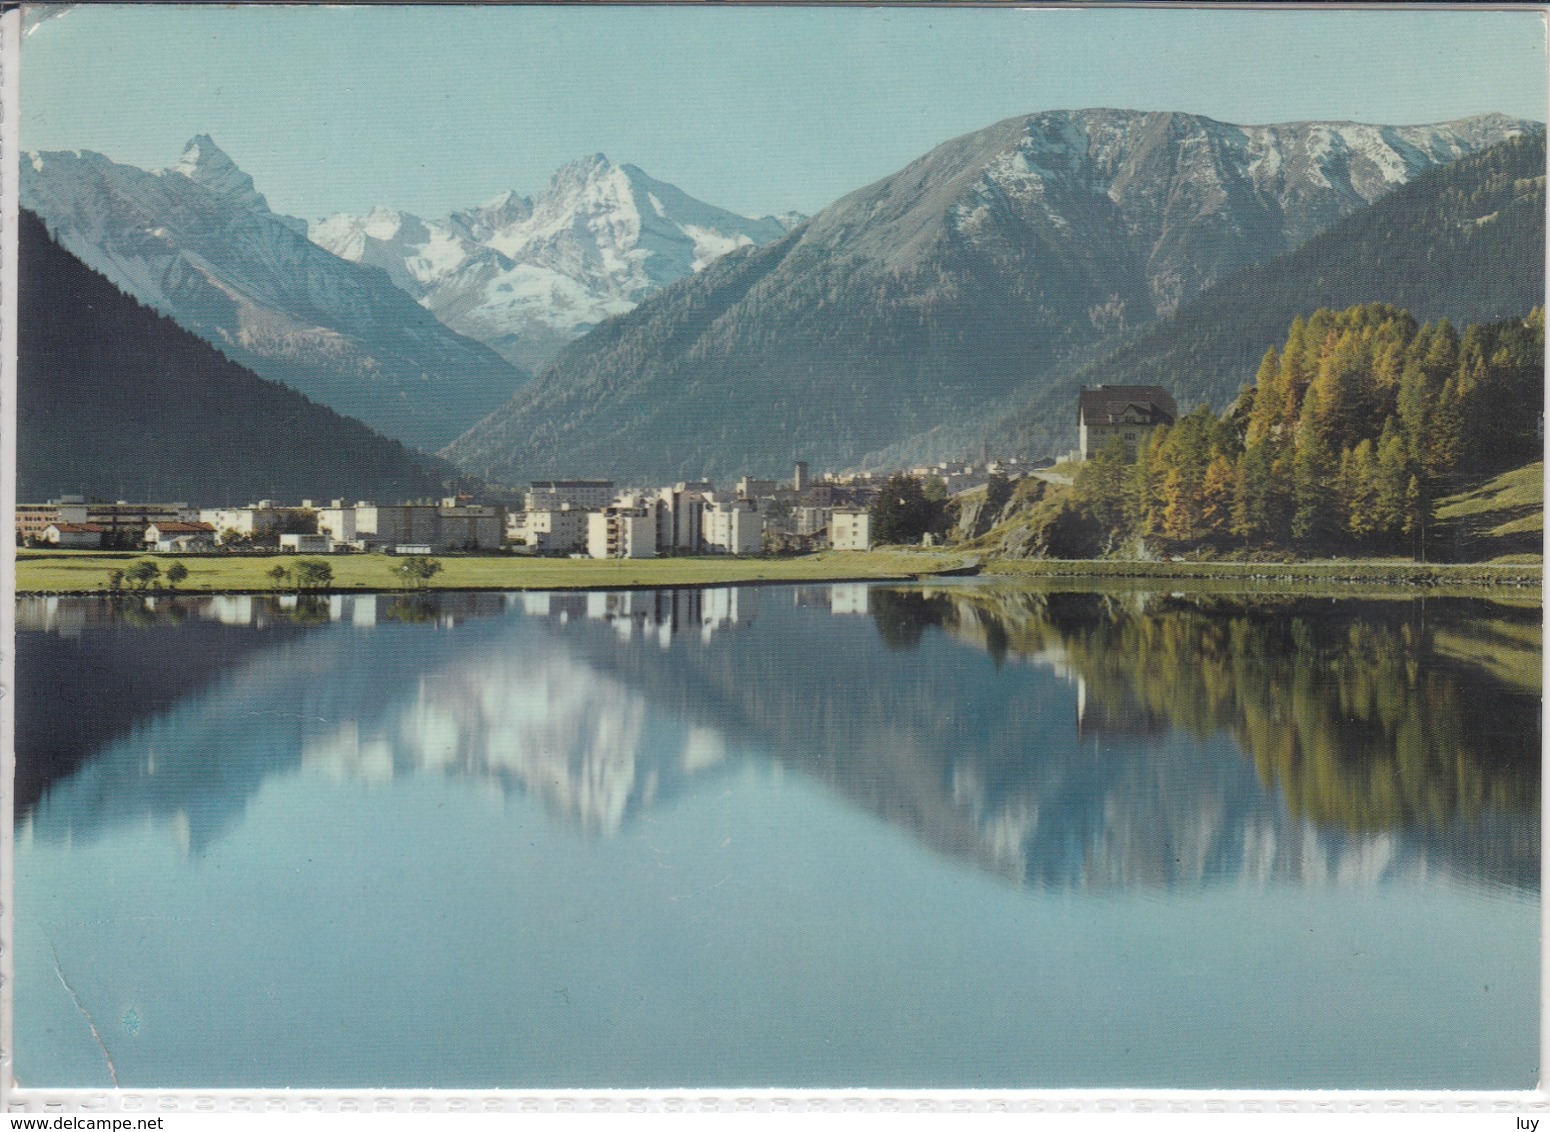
207	164
526	276
212	169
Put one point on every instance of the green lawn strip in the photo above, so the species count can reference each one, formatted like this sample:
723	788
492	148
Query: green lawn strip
81	573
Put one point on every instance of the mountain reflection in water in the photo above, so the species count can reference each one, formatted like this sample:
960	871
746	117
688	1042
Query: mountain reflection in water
1057	739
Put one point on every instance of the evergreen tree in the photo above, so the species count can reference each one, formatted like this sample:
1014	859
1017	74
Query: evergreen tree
1415	520
1392	476
1295	376
1359	487
1269	400
1314	468
1216	491
1146	496
1104	484
901	513
1445	437
1251	494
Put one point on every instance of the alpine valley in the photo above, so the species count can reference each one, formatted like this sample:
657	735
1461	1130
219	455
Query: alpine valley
467	303
950	289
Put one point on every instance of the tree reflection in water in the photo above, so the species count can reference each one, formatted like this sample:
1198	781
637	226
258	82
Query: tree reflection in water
1367	717
1351	709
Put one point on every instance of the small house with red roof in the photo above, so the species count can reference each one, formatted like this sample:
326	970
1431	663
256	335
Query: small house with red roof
74	536
180	537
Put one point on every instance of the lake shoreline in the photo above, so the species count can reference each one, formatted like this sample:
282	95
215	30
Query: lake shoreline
239	576
1404	574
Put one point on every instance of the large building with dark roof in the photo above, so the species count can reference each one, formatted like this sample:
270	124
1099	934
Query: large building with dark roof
1126	412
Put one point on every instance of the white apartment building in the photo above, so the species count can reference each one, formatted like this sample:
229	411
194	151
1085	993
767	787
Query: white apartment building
586	495
447	525
556	531
680	519
850	528
733	527
306	544
468	526
750	488
622	532
396	523
256	520
338	521
810	520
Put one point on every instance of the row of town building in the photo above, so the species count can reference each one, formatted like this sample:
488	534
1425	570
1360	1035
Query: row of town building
450	524
561	517
590	517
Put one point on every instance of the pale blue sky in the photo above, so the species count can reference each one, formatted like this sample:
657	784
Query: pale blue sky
755	109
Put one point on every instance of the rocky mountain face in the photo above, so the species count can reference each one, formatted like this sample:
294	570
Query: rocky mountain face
199	243
526	277
951	285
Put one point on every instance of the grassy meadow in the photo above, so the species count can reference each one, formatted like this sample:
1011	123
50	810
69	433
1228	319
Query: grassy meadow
88	571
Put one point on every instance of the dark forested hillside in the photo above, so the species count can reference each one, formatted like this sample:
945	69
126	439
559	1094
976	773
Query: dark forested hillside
115	401
1464	242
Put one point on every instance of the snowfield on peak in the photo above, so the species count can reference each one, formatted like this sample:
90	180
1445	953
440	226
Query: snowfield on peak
524	276
415	254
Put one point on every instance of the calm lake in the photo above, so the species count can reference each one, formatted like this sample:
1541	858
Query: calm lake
797	836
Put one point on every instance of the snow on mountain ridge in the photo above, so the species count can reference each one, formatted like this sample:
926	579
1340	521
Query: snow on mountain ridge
1168	174
482	221
416	254
525	276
